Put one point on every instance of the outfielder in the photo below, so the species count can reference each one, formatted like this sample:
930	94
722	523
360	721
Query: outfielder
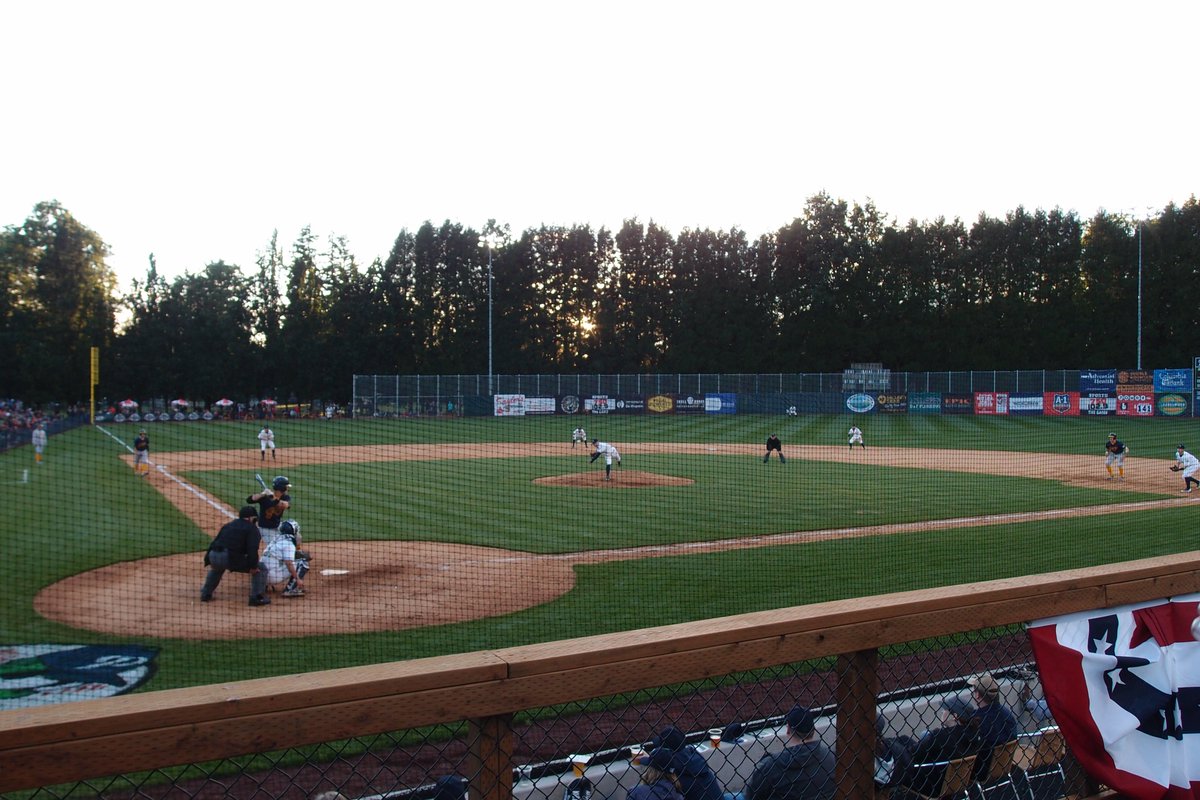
856	437
1116	451
609	452
266	439
1188	464
284	561
39	442
578	435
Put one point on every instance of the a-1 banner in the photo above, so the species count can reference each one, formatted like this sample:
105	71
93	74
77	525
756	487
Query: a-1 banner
1123	685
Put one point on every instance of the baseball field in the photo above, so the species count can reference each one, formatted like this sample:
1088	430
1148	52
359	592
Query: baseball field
436	536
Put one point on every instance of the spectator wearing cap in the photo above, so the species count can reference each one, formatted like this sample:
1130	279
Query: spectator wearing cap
803	770
450	787
995	723
892	754
658	781
958	737
696	779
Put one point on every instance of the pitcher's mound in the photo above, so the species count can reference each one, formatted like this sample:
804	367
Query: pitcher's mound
621	479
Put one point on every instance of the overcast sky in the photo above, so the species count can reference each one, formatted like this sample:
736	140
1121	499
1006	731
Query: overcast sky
192	131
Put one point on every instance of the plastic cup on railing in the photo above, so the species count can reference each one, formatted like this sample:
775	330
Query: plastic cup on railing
635	752
714	737
579	762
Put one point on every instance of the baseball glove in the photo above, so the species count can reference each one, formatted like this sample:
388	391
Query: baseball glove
1174	468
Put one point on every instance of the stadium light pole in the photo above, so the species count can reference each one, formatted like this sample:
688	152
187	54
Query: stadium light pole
489	241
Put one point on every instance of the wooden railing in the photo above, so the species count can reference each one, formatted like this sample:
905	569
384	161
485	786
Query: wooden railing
77	741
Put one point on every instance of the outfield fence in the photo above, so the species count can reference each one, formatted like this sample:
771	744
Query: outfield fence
568	718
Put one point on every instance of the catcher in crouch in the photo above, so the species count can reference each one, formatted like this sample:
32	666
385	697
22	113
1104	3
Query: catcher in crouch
1188	464
284	561
609	452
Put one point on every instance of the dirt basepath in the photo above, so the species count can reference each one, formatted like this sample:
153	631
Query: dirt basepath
388	585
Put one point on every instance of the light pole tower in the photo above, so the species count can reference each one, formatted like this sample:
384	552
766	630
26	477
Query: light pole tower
489	241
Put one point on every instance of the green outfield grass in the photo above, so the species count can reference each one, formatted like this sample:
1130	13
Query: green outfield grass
83	509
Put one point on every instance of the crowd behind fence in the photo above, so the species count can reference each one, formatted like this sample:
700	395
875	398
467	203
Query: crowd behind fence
572	718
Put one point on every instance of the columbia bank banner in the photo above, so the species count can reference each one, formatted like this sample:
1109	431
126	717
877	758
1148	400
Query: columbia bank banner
1124	686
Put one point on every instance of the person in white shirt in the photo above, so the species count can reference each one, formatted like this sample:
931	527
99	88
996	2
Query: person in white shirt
609	452
1189	465
266	439
39	442
856	437
578	435
284	562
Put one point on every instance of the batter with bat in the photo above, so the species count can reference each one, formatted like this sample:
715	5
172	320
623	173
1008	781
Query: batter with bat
272	503
1188	464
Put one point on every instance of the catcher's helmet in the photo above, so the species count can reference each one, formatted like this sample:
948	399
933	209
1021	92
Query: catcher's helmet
280	484
290	528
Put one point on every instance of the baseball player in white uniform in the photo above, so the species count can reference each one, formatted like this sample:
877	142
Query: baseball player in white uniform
856	437
266	439
578	435
609	452
1189	464
39	442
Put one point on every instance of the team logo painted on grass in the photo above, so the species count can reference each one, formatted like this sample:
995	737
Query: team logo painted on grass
44	674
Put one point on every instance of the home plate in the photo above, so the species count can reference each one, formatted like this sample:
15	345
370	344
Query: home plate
335	572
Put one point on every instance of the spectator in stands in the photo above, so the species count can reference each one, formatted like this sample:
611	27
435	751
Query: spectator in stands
658	782
956	738
803	770
696	780
994	722
892	754
450	787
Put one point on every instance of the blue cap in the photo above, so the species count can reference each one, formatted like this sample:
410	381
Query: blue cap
800	720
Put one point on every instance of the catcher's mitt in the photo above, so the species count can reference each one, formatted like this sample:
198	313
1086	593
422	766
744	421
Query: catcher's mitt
1174	468
303	554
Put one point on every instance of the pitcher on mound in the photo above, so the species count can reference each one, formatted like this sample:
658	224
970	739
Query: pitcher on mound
609	452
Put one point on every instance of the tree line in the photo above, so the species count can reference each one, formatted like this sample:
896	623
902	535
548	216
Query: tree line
840	283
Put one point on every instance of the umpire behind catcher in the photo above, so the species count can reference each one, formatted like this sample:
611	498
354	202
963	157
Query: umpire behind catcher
235	548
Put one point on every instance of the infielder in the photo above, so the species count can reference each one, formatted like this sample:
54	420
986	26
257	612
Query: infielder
1189	464
856	437
773	443
141	453
609	452
578	435
266	439
1116	451
39	442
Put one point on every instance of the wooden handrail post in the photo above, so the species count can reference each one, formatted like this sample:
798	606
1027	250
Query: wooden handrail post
489	758
857	688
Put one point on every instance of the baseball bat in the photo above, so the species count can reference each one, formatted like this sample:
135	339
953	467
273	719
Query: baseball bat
258	477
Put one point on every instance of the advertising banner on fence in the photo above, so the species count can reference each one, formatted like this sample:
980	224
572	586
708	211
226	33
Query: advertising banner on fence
924	403
539	405
689	404
1061	404
1025	403
1135	377
596	404
570	404
508	405
991	402
1097	404
958	404
1097	380
720	403
1172	404
1173	380
628	405
860	403
660	404
891	403
1135	401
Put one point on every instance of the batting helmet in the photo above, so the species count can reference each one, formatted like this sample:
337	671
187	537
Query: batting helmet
290	528
280	484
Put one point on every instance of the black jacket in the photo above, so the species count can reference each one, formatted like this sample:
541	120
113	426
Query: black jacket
801	772
240	539
942	744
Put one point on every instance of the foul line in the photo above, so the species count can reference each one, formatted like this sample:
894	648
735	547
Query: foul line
169	475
